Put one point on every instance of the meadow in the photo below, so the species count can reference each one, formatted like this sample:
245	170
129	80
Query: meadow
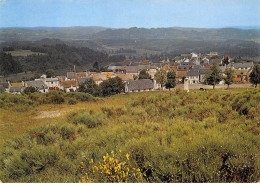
169	136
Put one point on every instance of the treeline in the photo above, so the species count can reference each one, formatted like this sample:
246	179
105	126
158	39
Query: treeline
58	57
8	65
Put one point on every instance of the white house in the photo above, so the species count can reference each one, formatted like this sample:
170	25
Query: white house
193	76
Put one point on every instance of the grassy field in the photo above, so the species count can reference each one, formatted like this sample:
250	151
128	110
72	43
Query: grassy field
24	53
170	136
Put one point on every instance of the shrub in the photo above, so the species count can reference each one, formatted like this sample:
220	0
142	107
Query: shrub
72	101
91	120
80	96
55	97
111	170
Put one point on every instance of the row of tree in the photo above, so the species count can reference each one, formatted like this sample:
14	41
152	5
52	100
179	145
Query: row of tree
108	87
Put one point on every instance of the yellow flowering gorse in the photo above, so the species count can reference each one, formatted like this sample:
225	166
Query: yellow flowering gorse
111	169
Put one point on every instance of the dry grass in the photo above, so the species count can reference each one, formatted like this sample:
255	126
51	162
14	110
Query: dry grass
14	123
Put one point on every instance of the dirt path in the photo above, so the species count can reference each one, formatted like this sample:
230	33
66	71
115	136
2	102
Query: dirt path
50	114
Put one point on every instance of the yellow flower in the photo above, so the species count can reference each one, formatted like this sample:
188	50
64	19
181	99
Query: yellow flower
127	156
120	150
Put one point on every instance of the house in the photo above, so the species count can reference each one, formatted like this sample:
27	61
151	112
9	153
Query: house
237	80
62	78
139	85
152	72
184	67
243	66
81	75
132	70
83	80
180	76
193	76
69	85
5	86
212	54
98	78
143	67
126	77
109	74
215	60
38	84
71	75
202	72
195	61
116	68
242	70
16	89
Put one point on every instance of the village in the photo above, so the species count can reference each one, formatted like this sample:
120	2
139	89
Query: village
190	68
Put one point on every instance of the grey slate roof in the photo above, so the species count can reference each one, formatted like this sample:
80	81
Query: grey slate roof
82	80
143	67
141	84
243	65
71	75
193	73
16	89
5	84
51	79
131	69
212	61
184	67
39	84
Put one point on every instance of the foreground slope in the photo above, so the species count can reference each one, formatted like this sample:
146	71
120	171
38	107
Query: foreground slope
171	136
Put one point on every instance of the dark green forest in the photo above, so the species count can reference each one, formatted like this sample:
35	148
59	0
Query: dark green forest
56	57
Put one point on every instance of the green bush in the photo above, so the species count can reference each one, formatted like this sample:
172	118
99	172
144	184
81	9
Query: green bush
91	120
80	96
72	101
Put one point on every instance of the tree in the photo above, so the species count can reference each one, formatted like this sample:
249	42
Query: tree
255	75
90	87
96	67
161	77
144	75
171	80
213	75
28	90
8	65
225	60
50	73
229	76
112	86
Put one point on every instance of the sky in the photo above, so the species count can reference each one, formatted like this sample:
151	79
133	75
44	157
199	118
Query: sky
130	13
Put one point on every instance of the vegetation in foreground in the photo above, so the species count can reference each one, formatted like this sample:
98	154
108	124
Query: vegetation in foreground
170	136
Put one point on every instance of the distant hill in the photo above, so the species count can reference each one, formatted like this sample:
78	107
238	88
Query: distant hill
36	33
144	41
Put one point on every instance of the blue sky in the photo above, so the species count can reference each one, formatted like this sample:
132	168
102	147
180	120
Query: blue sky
129	13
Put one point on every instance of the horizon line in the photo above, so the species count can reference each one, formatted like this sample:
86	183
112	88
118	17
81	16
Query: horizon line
31	27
